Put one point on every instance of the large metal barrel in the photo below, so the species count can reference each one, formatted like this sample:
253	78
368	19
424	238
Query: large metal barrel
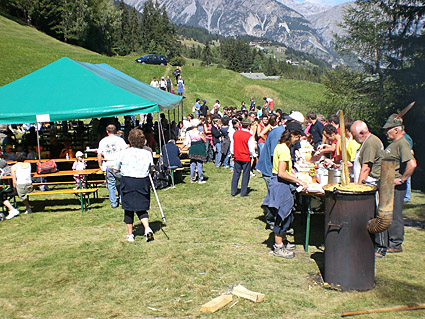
349	248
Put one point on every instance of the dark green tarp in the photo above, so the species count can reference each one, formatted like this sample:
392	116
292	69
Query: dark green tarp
69	90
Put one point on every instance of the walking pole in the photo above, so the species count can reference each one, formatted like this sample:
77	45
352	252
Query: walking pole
157	199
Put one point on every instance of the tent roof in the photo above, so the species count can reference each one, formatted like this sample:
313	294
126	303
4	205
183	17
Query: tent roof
68	90
166	101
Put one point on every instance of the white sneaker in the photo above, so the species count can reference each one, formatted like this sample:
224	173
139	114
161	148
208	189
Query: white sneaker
13	213
202	182
149	234
251	174
289	246
28	211
283	252
130	238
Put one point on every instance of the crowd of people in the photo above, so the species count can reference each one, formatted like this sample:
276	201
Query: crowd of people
247	141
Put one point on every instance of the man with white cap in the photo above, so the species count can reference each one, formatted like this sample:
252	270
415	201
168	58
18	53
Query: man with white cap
295	116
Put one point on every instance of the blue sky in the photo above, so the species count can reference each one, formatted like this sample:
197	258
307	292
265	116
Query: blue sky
331	2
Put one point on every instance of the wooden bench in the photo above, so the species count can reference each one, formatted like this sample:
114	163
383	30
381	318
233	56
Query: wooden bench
81	193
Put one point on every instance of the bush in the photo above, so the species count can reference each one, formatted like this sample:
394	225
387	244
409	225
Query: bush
178	60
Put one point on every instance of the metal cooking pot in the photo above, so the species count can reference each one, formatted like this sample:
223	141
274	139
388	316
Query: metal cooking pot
322	174
334	176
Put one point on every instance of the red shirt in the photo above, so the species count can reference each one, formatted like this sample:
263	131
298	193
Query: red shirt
240	146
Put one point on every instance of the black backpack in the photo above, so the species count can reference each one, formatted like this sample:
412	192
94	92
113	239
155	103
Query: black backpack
161	178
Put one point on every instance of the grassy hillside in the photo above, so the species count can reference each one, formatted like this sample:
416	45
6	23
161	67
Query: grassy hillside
24	50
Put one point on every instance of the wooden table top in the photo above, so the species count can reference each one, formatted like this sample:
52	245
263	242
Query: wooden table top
57	160
71	173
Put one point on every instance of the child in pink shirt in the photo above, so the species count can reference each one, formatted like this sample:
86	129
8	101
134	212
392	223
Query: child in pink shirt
79	165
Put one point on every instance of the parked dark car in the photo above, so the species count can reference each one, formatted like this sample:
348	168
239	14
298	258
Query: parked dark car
152	59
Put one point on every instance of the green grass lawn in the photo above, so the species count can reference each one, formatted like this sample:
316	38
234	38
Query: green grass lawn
59	263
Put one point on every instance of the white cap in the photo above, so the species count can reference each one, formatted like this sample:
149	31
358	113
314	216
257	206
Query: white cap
297	116
79	154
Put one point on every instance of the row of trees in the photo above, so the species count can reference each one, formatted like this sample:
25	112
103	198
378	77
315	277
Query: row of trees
387	40
103	26
237	55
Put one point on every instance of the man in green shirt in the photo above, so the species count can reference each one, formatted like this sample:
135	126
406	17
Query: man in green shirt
367	162
391	240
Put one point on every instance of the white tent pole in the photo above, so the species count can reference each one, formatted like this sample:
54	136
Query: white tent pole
159	133
38	143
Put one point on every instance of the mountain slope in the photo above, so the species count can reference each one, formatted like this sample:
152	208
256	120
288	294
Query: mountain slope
326	23
305	8
261	18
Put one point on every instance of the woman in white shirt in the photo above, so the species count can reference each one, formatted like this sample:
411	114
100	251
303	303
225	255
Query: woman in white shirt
21	178
135	164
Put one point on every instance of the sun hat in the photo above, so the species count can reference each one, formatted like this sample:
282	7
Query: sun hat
297	116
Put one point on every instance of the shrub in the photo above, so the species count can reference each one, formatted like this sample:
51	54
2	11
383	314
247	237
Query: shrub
178	60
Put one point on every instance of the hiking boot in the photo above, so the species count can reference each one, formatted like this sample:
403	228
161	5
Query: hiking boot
12	213
149	234
130	238
283	252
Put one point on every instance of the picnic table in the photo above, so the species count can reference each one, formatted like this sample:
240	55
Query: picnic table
57	160
81	193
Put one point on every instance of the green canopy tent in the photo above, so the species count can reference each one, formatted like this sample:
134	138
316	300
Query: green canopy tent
69	90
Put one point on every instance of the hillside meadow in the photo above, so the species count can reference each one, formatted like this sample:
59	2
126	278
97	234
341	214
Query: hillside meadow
24	50
60	263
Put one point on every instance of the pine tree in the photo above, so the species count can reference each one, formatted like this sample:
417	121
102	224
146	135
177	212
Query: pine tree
207	54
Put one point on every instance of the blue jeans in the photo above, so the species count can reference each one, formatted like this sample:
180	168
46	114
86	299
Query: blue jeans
111	182
228	161
218	154
267	179
240	167
408	191
193	165
260	148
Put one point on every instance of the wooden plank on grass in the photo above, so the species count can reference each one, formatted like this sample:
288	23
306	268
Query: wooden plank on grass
216	303
242	292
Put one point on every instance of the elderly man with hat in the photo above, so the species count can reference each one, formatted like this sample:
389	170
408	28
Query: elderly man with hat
242	149
391	240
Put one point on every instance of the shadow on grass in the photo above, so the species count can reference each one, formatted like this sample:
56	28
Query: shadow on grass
156	226
317	232
319	258
396	291
63	205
